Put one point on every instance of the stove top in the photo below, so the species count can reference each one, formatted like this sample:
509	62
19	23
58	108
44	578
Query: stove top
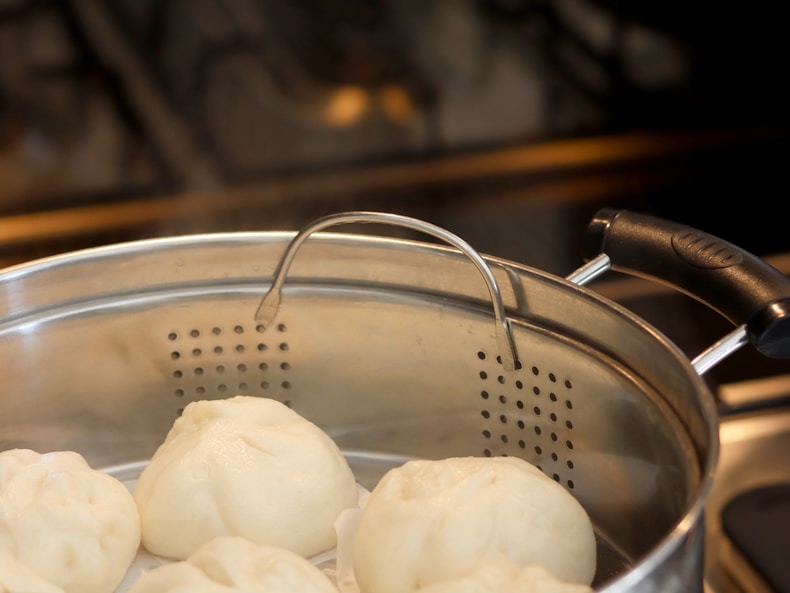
747	513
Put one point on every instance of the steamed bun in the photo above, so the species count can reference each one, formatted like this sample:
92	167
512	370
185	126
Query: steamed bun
499	575
243	466
16	577
228	564
428	521
73	526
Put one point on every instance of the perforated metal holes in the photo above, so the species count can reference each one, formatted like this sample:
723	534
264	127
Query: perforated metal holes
528	413
219	361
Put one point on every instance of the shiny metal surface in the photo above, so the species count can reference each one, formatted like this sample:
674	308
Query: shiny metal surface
755	451
270	304
733	341
390	346
590	271
650	167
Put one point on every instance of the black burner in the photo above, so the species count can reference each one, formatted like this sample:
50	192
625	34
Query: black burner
757	524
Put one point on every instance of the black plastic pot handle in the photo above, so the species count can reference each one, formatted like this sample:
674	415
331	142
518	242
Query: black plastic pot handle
737	284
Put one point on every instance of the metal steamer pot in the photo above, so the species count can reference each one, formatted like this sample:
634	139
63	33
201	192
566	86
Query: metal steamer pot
402	349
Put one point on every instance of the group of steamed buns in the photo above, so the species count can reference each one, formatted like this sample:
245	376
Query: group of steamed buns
244	491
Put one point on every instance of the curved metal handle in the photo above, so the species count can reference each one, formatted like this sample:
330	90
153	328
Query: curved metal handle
267	310
741	287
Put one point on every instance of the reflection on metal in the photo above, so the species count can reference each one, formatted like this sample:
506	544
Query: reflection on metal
721	350
270	303
591	270
754	450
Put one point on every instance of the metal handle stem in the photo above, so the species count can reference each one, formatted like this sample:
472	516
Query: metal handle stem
591	270
267	310
705	360
721	349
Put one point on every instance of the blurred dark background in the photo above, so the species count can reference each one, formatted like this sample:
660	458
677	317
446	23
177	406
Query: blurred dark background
509	122
492	117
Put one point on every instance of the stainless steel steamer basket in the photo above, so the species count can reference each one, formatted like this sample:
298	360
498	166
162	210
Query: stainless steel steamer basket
398	349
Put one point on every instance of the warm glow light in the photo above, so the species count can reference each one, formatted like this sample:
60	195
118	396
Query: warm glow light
346	105
396	103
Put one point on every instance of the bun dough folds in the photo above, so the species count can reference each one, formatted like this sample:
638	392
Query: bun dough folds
71	525
244	466
228	564
428	521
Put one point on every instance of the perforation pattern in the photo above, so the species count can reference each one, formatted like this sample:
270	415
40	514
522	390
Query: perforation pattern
528	413
219	361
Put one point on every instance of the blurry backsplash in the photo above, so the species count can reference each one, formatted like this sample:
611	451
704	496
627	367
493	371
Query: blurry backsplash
107	101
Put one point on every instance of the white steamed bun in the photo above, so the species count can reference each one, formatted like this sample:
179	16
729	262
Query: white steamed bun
73	526
500	575
16	577
428	521
243	466
228	564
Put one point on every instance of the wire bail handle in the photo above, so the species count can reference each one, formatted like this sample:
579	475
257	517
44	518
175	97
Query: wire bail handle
270	304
